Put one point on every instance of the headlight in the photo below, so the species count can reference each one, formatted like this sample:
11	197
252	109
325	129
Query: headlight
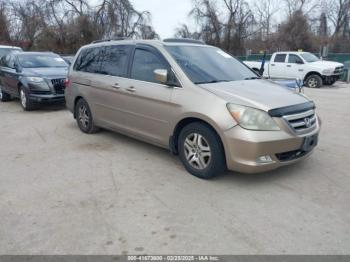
251	118
35	79
38	83
328	71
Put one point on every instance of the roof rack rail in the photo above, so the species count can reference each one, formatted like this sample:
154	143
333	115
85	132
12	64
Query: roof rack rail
183	40
109	39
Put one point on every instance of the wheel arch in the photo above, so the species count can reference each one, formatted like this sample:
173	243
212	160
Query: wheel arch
76	99
312	73
173	140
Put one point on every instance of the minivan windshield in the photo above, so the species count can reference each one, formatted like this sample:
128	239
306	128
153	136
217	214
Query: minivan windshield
206	64
308	57
41	60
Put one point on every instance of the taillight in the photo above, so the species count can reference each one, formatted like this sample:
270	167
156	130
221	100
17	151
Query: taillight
66	82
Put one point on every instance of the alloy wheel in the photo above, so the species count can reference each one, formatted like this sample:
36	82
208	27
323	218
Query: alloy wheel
23	99
84	118
197	151
312	82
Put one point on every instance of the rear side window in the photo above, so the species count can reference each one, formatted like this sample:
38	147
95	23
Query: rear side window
115	60
280	58
89	60
144	64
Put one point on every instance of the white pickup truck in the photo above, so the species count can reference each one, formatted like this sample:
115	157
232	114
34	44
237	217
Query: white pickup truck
302	65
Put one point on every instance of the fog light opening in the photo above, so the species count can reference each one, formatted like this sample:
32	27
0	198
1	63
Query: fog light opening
264	159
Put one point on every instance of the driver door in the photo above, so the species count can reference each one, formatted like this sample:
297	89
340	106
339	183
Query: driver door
294	67
9	76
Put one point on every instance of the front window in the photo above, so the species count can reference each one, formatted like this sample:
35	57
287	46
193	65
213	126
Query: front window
144	65
203	64
41	60
308	57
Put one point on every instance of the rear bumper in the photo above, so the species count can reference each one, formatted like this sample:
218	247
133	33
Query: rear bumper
244	148
46	98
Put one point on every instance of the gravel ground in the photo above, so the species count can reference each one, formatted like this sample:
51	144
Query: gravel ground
64	192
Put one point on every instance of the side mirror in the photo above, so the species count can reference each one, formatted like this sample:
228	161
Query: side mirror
18	68
161	75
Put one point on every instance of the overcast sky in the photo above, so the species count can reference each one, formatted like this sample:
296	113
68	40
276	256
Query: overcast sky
166	14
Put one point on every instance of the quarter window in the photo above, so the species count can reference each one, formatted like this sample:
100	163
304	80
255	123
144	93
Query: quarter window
89	60
280	58
115	60
144	64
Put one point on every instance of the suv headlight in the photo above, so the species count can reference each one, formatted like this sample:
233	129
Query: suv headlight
35	79
251	118
38	83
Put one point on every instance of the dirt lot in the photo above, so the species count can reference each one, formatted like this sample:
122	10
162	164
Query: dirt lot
64	192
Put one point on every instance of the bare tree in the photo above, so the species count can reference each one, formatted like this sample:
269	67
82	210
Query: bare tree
227	30
295	33
264	12
184	32
4	29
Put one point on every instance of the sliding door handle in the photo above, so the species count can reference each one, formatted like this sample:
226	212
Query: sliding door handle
116	86
131	89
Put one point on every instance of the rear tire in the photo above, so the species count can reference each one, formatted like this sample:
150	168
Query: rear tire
84	117
201	151
314	81
4	97
26	104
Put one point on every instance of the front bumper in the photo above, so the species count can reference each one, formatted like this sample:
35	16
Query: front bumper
57	98
243	149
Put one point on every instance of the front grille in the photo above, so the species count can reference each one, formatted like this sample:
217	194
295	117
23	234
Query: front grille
302	122
40	92
58	85
339	70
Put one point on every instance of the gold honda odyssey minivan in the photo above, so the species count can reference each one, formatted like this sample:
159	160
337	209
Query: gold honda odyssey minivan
193	99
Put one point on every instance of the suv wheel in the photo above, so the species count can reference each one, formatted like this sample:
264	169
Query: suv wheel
314	81
84	117
26	104
4	97
201	151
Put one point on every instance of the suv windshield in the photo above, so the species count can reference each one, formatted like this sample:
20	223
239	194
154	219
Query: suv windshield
5	51
308	57
41	60
203	64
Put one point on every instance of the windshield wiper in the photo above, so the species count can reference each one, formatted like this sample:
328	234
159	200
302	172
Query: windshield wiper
212	82
252	78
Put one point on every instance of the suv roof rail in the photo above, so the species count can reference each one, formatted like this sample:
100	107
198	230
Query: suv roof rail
183	40
109	39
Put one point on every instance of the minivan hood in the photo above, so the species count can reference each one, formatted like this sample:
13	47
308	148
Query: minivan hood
322	64
261	94
46	72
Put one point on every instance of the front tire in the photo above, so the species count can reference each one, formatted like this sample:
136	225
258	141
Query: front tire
4	97
26	104
201	151
314	81
84	117
330	82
